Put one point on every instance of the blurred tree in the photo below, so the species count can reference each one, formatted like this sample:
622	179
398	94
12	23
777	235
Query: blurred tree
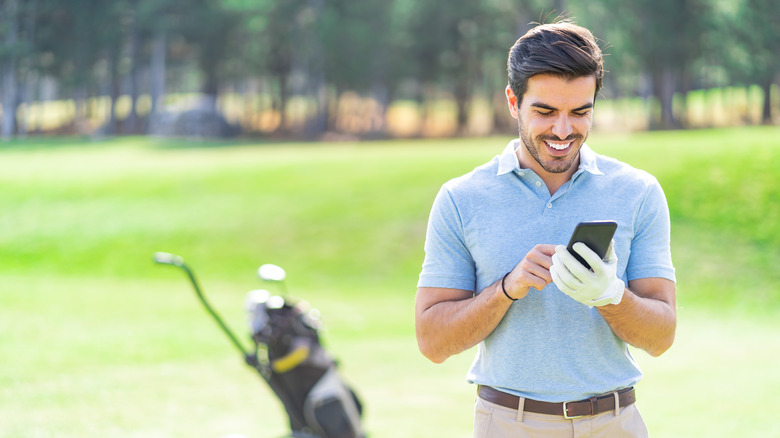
355	45
758	48
319	49
452	39
9	61
79	44
271	43
212	29
665	39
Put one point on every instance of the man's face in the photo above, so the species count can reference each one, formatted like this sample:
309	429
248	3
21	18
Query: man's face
554	119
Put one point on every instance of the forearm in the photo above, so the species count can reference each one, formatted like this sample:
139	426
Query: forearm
457	324
449	321
648	323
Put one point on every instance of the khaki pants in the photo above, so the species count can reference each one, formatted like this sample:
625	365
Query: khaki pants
495	421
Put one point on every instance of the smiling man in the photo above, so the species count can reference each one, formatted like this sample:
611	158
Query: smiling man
552	336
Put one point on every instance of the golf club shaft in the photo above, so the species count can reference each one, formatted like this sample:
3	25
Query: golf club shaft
211	310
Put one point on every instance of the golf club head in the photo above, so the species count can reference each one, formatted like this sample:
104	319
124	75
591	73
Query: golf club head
168	259
255	304
269	272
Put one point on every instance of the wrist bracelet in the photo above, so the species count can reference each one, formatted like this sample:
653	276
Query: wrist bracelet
504	290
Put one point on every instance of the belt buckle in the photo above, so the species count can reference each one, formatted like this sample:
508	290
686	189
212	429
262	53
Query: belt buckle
566	412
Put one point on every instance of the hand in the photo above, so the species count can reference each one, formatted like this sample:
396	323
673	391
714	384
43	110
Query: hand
593	288
532	272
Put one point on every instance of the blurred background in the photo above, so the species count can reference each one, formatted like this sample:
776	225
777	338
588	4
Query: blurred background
369	68
215	129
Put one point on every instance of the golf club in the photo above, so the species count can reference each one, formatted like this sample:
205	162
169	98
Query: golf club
290	358
174	260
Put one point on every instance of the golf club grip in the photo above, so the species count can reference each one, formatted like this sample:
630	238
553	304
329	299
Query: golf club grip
166	258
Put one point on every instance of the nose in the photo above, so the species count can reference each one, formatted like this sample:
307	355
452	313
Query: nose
562	126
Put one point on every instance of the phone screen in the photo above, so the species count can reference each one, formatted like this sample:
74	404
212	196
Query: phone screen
597	235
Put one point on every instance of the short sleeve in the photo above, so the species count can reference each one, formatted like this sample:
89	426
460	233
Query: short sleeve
448	262
651	247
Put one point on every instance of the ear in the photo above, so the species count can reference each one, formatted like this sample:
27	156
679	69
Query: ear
512	101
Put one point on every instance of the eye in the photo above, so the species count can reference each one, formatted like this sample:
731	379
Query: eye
544	113
582	113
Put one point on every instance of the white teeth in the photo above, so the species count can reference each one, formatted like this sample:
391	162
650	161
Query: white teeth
558	146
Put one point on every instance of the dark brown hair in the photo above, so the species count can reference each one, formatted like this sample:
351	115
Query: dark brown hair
563	49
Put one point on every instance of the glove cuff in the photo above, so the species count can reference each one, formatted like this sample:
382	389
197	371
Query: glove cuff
620	287
613	295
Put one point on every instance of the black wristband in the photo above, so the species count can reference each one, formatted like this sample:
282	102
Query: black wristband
504	290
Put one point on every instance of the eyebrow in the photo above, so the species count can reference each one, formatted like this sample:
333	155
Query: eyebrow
552	108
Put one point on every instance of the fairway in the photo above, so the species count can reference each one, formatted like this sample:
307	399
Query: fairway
101	342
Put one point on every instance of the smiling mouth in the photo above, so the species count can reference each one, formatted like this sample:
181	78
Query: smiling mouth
559	146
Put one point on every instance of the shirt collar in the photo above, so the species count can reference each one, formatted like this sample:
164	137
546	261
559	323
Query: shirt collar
508	162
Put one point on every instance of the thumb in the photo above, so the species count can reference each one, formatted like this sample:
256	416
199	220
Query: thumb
611	256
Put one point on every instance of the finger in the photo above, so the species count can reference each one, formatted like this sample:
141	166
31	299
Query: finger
545	249
564	276
542	255
533	275
611	255
573	265
593	259
562	286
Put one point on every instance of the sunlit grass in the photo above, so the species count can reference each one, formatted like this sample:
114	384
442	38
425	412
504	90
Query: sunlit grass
100	342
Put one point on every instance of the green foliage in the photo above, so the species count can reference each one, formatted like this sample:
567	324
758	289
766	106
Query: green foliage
398	49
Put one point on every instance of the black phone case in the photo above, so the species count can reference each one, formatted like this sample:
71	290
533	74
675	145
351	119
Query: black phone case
597	235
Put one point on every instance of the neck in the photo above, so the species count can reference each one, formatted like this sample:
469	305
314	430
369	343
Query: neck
553	180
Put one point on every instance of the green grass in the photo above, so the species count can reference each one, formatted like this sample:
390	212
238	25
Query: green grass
100	342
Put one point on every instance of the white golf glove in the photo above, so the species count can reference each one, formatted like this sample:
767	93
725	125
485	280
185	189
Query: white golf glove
598	287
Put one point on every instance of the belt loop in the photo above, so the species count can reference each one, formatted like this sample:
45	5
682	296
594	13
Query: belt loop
594	405
520	409
617	403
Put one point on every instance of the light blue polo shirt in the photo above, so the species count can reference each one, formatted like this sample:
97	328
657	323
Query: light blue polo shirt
548	347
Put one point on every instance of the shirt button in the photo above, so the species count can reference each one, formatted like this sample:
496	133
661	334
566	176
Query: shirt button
538	184
549	205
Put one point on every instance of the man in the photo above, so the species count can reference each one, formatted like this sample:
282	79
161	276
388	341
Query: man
552	336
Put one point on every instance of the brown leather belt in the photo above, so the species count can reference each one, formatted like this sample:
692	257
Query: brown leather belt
590	406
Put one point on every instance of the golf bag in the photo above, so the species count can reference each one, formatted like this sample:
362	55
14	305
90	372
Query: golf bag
290	358
298	369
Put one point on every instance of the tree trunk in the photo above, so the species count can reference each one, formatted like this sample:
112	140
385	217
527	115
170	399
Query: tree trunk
668	117
319	124
381	96
80	117
26	83
663	90
462	100
502	120
131	123
316	75
766	111
157	70
284	95
115	90
9	71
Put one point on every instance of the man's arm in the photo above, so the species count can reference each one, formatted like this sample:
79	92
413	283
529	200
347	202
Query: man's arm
449	321
646	317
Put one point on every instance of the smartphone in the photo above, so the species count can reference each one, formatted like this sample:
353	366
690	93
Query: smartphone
596	234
